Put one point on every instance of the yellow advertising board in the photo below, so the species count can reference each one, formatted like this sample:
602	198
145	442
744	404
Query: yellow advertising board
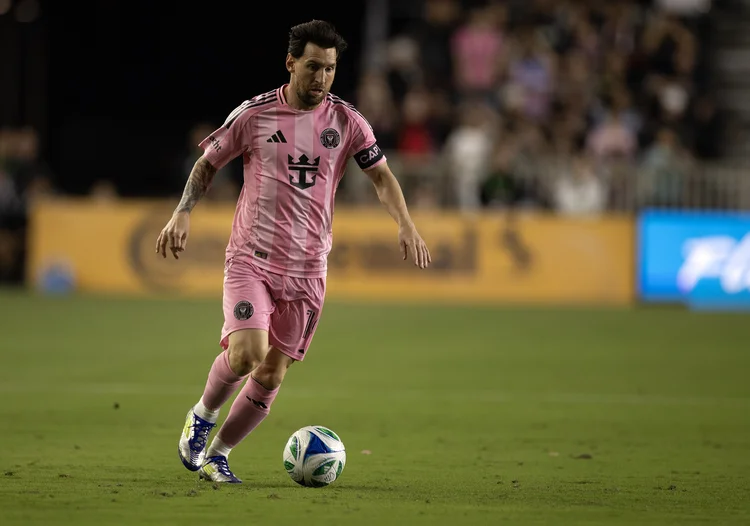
525	258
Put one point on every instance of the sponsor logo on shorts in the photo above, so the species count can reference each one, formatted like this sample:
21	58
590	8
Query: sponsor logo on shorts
243	310
261	255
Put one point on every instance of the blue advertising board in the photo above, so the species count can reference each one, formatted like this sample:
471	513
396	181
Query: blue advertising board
698	258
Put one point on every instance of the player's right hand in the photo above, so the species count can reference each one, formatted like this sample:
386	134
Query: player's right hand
174	235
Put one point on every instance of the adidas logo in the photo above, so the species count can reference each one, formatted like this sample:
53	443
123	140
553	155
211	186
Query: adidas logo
277	137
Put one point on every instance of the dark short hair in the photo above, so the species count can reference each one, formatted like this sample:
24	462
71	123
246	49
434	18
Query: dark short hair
318	32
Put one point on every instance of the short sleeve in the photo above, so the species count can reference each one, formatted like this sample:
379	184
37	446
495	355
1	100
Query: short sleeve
364	147
230	140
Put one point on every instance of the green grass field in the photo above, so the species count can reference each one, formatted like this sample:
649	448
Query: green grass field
471	415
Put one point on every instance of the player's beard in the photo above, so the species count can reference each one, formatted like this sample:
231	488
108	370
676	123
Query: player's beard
309	98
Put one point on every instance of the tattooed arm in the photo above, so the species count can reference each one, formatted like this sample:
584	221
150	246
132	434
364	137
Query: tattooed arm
175	234
197	185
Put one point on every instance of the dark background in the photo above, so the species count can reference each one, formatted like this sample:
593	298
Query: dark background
114	86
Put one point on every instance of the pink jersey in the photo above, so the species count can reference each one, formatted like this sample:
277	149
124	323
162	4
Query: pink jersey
293	162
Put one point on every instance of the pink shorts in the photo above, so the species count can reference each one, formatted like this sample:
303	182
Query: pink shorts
288	308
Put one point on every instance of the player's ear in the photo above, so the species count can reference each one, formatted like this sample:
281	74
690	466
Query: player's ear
289	63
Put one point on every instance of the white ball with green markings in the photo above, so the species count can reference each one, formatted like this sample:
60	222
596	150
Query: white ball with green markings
314	456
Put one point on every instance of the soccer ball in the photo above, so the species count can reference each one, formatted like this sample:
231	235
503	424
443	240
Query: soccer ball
314	456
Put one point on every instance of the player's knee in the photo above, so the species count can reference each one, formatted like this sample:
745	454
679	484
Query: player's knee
268	377
271	372
243	359
246	354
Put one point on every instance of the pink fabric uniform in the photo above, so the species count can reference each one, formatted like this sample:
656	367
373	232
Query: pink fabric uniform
276	258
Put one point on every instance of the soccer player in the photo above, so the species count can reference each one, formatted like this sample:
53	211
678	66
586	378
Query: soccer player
295	142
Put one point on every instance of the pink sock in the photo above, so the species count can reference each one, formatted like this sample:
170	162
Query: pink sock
249	409
221	383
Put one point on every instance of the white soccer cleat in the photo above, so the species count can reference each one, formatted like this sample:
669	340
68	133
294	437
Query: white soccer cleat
216	469
192	447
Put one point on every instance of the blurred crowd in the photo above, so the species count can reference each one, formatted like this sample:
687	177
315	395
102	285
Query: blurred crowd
26	176
23	176
577	106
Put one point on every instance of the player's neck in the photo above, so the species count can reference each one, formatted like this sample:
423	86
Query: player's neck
294	102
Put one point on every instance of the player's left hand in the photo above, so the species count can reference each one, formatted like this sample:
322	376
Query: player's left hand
413	245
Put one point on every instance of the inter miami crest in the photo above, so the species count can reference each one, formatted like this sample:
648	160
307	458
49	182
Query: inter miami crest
243	310
330	138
